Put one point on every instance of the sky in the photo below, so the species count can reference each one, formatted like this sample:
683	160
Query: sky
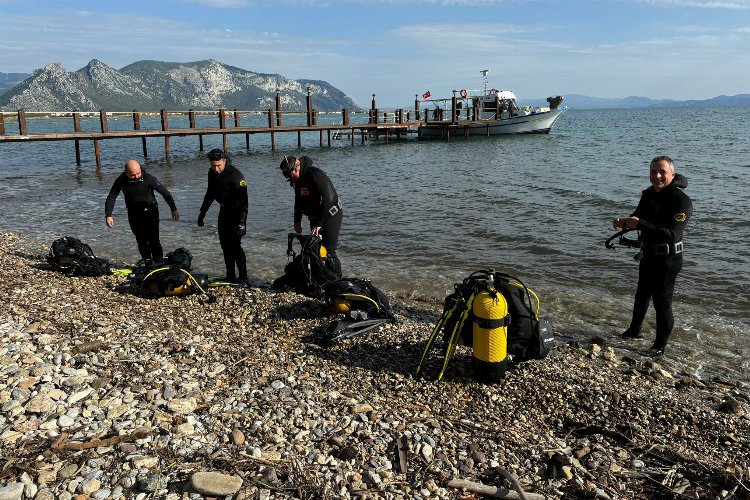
396	49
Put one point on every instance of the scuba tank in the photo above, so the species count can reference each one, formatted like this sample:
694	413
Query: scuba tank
490	335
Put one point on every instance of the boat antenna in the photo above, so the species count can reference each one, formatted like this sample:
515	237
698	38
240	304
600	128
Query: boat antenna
484	75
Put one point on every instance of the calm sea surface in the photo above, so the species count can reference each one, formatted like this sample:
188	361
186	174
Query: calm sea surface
421	215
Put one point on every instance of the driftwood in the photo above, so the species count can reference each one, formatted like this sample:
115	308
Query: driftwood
62	443
402	447
493	491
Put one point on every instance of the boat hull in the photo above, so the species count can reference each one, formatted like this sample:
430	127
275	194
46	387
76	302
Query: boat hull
535	123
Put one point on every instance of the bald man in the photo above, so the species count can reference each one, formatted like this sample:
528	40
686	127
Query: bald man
143	212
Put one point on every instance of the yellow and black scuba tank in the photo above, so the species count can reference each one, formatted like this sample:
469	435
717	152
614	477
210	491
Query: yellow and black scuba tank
490	319
492	313
457	321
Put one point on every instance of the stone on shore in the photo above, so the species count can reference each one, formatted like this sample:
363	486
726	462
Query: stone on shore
215	483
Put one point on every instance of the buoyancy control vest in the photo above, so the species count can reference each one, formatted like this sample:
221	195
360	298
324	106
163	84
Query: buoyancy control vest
307	271
346	295
173	277
72	256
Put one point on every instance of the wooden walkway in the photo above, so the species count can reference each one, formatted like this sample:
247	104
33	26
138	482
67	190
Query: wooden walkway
386	124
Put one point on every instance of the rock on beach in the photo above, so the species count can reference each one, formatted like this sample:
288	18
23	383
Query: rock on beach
107	393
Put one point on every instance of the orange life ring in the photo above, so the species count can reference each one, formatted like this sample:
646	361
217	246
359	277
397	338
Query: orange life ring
464	93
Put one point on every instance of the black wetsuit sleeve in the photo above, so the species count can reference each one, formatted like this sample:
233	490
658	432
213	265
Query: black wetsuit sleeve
159	188
297	207
242	201
209	197
114	192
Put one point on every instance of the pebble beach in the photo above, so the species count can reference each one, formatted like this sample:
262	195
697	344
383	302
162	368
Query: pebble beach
108	393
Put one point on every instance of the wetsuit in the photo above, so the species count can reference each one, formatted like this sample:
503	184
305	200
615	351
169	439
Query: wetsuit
662	218
229	188
143	212
315	197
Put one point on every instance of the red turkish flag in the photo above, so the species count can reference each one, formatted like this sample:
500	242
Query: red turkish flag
426	95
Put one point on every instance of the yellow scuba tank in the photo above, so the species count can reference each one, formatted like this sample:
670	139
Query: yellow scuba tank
490	335
340	305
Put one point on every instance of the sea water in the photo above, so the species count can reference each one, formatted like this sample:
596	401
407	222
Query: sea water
422	215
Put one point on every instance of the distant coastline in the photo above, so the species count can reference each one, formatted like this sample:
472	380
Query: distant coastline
578	101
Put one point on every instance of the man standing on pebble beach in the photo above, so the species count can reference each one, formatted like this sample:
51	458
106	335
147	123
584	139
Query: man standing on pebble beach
661	216
227	185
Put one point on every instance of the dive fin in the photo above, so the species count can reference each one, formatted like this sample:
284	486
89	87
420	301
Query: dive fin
347	328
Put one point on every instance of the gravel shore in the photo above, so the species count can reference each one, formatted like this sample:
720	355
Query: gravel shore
109	394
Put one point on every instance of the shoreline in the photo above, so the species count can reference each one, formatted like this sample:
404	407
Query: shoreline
111	395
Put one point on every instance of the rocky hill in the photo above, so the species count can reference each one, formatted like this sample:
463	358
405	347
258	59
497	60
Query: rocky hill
153	85
10	80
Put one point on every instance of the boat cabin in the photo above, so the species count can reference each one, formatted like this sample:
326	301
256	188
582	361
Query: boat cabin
497	105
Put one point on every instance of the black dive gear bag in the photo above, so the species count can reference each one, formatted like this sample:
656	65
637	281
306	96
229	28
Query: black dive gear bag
346	295
173	276
75	258
363	305
307	271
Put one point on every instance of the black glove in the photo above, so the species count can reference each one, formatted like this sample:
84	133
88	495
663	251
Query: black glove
241	230
200	219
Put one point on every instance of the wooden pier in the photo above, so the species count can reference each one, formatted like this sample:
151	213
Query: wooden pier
385	124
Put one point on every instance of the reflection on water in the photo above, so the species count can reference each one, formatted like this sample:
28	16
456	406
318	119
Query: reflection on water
420	216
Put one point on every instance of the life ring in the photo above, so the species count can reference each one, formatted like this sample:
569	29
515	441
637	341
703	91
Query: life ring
464	93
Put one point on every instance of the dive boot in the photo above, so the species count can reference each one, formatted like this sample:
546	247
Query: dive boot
655	351
632	333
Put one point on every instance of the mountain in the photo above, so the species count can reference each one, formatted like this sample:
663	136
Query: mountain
209	84
153	85
10	80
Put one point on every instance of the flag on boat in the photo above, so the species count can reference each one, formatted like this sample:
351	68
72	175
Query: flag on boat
426	95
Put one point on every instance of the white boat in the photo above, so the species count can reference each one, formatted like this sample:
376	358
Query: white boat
486	112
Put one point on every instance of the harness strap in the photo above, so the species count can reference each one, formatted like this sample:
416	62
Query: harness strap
491	324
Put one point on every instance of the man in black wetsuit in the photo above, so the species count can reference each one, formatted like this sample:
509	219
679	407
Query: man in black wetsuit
227	185
661	216
315	197
143	212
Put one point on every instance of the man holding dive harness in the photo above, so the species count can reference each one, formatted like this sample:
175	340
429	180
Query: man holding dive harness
661	215
227	185
315	197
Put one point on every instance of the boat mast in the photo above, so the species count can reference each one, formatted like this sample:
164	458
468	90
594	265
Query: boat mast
484	75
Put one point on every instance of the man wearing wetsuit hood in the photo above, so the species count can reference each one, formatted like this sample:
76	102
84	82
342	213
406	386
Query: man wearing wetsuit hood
143	212
315	197
661	216
227	185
